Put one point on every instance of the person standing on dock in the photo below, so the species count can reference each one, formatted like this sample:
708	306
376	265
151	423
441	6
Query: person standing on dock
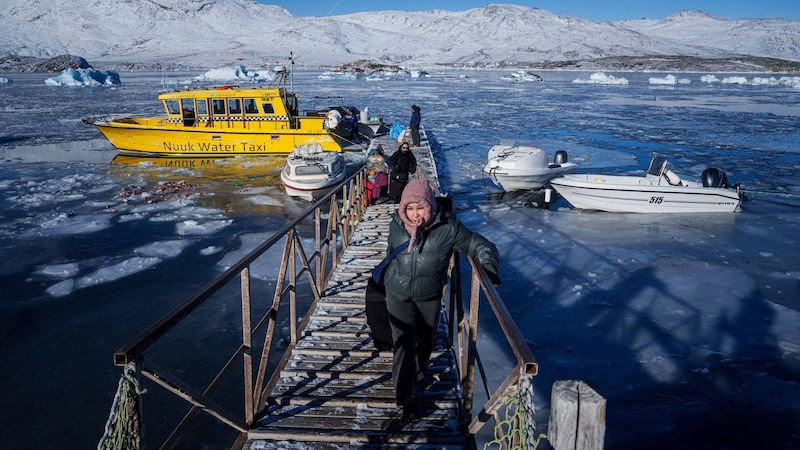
353	120
404	164
414	281
416	120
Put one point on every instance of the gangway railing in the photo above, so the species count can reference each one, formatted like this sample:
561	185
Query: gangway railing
333	218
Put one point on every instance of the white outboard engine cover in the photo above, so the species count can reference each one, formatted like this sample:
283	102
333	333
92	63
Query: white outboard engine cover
672	178
333	119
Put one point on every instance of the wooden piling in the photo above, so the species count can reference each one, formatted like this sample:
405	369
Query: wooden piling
577	417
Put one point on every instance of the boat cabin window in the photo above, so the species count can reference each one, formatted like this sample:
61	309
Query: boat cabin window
250	106
218	106
173	107
187	105
268	109
234	106
187	111
202	108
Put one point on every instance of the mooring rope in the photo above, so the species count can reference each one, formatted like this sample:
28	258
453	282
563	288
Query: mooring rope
124	426
773	194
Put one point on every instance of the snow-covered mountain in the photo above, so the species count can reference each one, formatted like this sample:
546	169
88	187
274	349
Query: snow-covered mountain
204	33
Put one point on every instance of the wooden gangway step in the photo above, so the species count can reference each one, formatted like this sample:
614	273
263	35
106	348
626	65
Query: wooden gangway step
336	391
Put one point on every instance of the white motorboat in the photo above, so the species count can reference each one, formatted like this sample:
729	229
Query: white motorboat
521	75
516	167
659	191
309	172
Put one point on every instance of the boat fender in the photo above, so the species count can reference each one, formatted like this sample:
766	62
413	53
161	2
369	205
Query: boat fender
333	119
560	157
672	178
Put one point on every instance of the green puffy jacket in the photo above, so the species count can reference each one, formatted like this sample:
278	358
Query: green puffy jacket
421	273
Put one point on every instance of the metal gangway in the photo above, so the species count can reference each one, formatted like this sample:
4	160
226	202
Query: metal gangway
329	388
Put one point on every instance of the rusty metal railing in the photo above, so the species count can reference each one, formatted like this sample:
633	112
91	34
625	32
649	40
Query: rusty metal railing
342	207
465	325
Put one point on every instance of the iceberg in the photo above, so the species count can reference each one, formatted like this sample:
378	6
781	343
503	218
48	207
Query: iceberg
602	78
235	73
84	77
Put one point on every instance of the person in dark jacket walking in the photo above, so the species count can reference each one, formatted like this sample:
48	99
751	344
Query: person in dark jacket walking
353	125
404	164
414	281
416	119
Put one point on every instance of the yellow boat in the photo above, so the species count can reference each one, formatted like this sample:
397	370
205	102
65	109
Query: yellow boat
229	121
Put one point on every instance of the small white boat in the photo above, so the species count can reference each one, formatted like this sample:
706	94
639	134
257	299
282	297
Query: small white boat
659	191
515	168
309	172
521	75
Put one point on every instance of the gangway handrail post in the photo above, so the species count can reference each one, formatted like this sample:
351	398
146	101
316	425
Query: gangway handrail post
526	366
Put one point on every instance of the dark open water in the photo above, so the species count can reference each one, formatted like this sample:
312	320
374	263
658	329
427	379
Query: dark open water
688	326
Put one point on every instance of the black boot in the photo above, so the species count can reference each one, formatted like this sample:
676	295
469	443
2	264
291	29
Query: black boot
411	412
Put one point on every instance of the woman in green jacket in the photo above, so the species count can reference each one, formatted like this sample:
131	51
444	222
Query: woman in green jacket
414	282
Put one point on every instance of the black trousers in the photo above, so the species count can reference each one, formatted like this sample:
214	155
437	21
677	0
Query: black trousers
414	327
415	136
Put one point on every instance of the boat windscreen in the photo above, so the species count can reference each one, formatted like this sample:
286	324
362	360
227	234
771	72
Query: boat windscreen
657	166
311	170
172	106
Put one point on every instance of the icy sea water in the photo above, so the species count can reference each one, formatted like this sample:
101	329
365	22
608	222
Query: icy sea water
688	326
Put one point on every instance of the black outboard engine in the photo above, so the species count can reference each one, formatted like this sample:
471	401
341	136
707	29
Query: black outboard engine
560	157
713	177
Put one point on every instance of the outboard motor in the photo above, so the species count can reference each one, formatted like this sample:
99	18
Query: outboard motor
333	119
560	157
713	177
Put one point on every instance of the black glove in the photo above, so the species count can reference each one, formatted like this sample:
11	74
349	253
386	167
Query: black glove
493	278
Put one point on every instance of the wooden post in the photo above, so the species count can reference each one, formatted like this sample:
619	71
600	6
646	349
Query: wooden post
577	417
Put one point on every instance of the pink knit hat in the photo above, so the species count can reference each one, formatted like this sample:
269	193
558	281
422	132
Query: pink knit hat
417	191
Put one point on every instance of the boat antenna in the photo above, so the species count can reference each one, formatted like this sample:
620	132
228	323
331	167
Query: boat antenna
291	71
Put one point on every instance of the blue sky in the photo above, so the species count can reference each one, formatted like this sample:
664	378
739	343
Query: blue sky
586	9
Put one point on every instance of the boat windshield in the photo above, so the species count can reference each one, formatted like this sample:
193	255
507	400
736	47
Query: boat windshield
657	166
311	170
172	106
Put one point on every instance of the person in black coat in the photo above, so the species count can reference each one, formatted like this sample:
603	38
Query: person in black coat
353	125
404	164
414	280
416	119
